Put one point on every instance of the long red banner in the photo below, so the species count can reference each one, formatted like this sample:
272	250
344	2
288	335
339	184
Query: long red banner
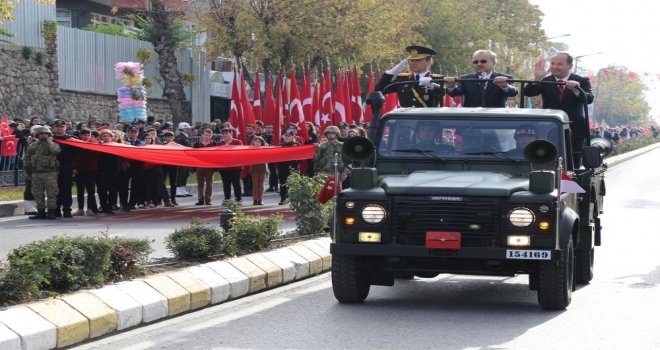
208	157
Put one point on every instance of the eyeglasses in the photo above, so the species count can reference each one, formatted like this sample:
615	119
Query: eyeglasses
477	62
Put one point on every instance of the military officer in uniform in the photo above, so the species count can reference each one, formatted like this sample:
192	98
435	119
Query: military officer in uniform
421	94
40	166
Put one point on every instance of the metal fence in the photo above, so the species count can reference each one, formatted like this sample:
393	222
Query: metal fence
86	63
11	168
86	59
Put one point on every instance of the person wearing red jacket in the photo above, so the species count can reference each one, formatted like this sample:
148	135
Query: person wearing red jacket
85	167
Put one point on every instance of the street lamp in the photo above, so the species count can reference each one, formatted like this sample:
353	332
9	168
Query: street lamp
577	58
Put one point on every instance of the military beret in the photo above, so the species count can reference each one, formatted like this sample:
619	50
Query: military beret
133	128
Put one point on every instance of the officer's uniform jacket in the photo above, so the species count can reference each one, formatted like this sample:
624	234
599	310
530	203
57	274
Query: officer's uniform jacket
412	94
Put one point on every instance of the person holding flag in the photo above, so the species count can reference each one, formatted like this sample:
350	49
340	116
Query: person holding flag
422	94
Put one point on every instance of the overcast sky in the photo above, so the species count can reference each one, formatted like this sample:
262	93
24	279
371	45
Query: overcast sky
625	31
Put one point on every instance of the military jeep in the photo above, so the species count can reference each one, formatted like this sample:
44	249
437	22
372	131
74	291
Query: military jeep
467	197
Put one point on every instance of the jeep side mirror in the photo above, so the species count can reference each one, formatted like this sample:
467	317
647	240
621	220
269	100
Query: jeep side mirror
591	157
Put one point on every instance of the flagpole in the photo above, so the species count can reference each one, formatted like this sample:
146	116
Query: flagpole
334	196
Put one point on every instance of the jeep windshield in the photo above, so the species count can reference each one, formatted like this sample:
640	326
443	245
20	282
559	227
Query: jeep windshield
462	138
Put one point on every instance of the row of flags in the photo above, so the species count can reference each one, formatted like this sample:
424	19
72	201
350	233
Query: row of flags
284	103
319	102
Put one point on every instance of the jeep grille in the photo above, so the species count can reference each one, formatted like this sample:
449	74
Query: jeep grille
413	216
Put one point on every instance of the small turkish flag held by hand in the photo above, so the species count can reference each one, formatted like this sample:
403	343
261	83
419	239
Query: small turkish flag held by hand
4	127
327	191
568	185
9	144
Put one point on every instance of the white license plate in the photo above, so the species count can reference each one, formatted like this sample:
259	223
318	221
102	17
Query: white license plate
528	254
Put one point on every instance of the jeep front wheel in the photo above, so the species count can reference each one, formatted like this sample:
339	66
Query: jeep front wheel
556	280
350	281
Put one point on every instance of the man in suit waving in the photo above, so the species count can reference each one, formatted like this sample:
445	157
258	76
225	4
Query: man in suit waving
565	97
483	93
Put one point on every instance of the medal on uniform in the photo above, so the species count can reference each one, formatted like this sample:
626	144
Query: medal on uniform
426	97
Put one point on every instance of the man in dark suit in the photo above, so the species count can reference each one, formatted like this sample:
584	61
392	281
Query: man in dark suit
422	94
483	93
565	97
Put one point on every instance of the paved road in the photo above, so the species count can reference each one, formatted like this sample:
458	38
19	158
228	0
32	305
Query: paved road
154	224
618	310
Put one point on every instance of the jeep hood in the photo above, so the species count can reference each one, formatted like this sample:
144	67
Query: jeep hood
453	183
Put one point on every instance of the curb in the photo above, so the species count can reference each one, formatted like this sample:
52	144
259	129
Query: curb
80	316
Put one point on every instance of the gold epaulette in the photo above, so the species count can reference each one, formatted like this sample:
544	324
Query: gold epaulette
437	76
403	74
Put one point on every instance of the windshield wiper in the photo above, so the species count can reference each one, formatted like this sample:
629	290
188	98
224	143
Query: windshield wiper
424	152
499	154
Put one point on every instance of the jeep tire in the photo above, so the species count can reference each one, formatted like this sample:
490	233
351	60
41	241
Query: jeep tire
556	280
350	280
584	266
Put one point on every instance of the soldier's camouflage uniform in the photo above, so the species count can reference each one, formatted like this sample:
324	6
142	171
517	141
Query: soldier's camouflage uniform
41	164
324	158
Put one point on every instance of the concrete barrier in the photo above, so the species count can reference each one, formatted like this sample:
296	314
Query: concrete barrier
72	327
102	318
288	270
326	257
256	275
273	272
8	339
238	282
35	332
127	310
200	293
154	305
315	260
178	298
219	286
300	264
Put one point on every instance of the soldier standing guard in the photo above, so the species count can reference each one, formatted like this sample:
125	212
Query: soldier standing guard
422	94
324	157
40	166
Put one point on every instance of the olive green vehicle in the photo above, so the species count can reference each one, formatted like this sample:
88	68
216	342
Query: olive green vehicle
471	200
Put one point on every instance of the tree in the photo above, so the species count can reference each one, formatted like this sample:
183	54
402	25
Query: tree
282	32
457	28
165	45
619	97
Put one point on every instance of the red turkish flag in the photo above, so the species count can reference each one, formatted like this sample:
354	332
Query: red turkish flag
340	105
256	104
356	98
279	112
269	104
9	145
248	117
326	101
568	185
236	108
296	108
306	96
4	127
327	192
316	104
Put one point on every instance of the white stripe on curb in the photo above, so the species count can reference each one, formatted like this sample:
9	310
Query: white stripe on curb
288	270
240	284
300	265
8	339
35	332
128	311
219	286
154	304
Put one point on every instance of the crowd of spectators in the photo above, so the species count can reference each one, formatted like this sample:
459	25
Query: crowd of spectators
107	183
621	134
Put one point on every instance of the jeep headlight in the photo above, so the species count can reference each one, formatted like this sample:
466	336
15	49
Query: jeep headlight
521	217
373	213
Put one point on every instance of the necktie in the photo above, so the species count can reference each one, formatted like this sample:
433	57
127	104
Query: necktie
484	83
561	87
416	77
